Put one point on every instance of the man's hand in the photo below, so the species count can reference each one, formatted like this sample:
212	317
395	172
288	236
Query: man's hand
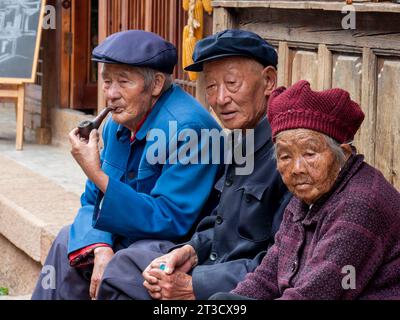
177	286
102	256
87	155
178	261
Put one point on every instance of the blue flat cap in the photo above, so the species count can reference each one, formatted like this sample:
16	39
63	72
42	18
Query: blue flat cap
137	48
233	42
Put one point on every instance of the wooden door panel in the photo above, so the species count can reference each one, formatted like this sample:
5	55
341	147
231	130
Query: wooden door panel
83	93
388	119
305	67
347	74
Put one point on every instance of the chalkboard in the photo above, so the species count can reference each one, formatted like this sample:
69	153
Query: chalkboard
20	31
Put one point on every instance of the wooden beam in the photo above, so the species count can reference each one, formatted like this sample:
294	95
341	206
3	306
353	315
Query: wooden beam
65	37
309	5
325	70
223	19
20	117
8	93
325	28
73	52
103	23
284	72
50	84
148	15
124	14
368	103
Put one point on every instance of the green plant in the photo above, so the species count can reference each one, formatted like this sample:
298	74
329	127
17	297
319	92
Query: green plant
3	291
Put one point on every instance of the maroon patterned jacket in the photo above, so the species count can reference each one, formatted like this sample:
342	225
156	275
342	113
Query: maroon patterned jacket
352	230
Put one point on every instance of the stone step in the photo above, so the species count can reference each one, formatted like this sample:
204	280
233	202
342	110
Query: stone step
32	208
26	297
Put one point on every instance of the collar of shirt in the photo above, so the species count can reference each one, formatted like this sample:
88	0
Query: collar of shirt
145	124
262	136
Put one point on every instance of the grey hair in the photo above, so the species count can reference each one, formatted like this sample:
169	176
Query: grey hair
332	144
149	76
336	150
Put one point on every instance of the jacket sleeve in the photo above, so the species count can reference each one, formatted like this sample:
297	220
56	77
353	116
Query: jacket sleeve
351	247
221	277
225	276
171	208
262	284
82	233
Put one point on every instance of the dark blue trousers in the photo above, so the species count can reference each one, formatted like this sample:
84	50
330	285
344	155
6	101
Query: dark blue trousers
122	278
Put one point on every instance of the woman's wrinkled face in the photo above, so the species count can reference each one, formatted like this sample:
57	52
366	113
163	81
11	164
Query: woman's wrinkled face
306	163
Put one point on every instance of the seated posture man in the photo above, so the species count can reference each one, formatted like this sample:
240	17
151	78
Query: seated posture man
129	195
340	235
240	74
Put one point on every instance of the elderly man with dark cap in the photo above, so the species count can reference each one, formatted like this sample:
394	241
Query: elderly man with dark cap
128	195
240	73
340	235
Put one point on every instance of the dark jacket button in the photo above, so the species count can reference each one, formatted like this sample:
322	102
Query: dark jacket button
218	220
213	256
294	266
228	182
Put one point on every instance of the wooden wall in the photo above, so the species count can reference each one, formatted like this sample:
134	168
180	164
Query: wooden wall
366	61
164	17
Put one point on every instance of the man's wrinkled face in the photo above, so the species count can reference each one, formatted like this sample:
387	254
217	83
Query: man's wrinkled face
125	92
235	89
306	163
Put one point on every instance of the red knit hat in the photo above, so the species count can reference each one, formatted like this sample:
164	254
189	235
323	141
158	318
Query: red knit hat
331	112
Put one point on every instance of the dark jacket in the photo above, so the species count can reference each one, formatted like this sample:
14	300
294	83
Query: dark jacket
352	231
233	240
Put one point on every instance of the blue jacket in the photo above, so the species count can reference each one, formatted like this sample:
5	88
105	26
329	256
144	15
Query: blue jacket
144	200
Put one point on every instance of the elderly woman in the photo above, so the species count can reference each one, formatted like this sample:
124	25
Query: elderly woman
340	235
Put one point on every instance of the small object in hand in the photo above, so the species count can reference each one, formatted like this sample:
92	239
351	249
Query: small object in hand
86	126
163	266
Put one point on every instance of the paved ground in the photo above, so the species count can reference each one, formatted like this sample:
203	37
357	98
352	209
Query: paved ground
51	162
39	192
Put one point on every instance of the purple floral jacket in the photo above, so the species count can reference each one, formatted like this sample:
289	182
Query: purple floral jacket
346	246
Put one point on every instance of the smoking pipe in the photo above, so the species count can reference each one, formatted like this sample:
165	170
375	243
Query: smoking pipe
86	126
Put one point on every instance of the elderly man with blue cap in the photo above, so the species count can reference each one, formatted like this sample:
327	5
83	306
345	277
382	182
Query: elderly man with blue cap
240	73
128	196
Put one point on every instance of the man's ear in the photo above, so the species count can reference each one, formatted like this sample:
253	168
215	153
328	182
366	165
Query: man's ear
159	80
346	150
269	75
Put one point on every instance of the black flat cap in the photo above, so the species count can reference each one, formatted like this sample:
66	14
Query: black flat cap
137	48
233	42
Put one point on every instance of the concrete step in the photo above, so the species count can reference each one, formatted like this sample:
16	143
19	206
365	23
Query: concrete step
39	194
26	297
32	208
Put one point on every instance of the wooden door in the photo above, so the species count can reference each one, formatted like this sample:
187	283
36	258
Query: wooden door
84	32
